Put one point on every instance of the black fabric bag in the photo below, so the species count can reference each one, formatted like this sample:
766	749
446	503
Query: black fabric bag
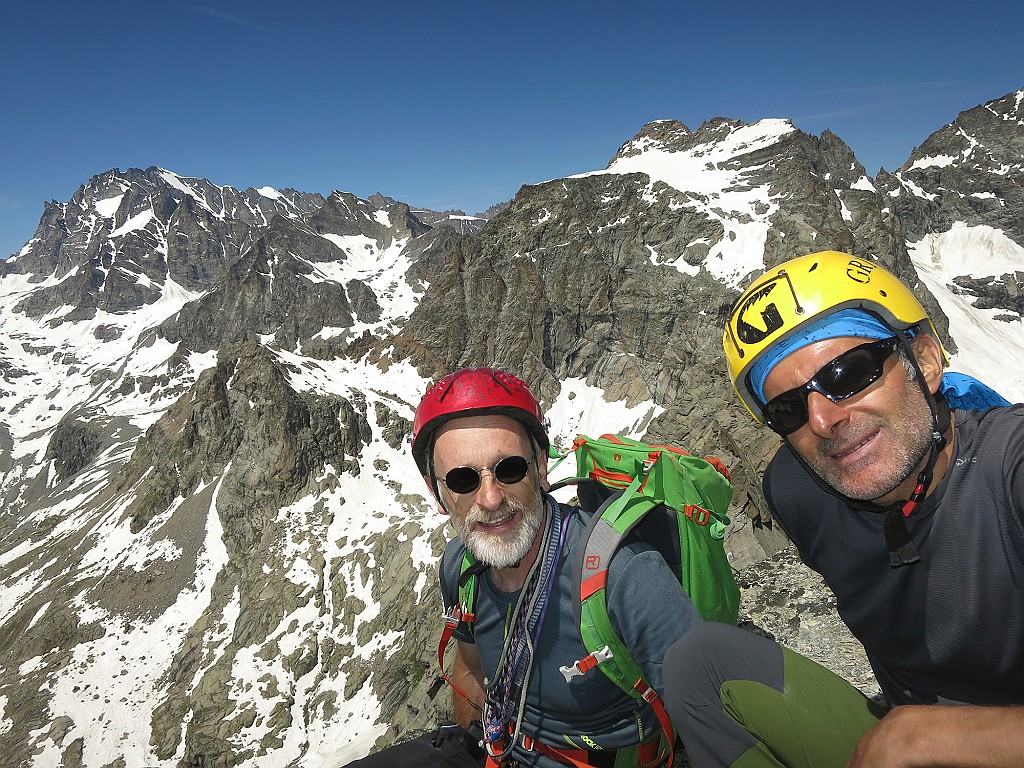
448	746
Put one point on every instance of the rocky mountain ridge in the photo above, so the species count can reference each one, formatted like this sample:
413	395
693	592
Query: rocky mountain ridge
213	546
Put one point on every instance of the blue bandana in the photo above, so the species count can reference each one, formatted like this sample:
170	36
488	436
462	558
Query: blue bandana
969	394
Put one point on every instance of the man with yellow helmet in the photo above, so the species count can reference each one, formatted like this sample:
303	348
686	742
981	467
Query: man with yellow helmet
903	486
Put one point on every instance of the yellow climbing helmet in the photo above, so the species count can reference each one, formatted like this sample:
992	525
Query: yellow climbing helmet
804	290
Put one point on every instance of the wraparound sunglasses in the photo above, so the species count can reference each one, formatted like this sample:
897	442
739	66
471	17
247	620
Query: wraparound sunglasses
507	471
850	373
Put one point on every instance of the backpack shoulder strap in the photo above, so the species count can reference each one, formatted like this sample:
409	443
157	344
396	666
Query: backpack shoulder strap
608	527
471	568
463	612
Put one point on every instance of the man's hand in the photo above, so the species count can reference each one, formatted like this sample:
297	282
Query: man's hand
947	736
468	676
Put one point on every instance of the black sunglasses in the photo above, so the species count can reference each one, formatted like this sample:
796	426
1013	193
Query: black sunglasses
507	471
844	377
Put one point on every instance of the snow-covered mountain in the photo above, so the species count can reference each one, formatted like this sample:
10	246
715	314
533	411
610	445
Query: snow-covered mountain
214	547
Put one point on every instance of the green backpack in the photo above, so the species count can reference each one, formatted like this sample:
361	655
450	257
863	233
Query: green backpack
675	502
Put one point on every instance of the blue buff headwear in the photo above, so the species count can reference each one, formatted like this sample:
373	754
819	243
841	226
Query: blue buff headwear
960	390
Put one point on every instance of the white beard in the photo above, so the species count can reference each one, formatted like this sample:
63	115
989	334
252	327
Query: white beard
502	550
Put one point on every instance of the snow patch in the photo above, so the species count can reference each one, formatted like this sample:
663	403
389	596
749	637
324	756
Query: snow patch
984	342
719	188
581	408
108	206
935	161
914	189
138	221
863	183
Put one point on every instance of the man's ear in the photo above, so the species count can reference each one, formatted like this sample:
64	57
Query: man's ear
436	493
930	360
542	472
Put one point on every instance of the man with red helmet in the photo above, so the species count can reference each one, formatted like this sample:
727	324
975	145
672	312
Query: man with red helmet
480	443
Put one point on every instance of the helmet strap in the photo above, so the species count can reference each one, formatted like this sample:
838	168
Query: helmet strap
898	542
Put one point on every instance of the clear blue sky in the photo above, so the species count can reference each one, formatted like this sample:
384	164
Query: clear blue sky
457	104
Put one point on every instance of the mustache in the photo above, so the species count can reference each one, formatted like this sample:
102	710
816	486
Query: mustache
508	507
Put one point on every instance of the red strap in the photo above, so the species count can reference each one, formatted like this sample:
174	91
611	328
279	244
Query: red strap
575	757
451	621
609	477
649	753
651	697
719	465
598	581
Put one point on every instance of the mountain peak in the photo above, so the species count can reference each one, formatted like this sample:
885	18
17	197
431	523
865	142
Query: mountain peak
657	134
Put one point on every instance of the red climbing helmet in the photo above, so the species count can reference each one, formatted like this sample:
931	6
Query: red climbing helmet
474	392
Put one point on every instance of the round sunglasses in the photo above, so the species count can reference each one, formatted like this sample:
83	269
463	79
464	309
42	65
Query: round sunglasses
850	373
507	471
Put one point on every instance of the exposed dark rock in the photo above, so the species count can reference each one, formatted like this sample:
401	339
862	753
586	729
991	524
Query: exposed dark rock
970	171
243	412
73	445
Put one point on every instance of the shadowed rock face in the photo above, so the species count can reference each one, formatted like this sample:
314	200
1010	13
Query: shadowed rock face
123	234
212	527
73	445
970	171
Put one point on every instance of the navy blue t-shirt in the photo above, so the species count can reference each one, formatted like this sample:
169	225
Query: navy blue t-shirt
950	628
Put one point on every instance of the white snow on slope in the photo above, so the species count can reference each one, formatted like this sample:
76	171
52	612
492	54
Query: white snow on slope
935	161
138	221
178	183
108	206
383	271
130	659
990	349
718	190
65	362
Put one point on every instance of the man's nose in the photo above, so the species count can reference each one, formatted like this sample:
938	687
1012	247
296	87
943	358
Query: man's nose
490	494
823	415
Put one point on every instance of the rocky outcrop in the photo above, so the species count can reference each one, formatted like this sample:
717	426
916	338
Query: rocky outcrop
245	430
73	445
243	413
970	171
124	233
272	291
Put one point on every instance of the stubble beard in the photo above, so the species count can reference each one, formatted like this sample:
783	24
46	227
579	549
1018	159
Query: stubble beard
911	432
502	550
